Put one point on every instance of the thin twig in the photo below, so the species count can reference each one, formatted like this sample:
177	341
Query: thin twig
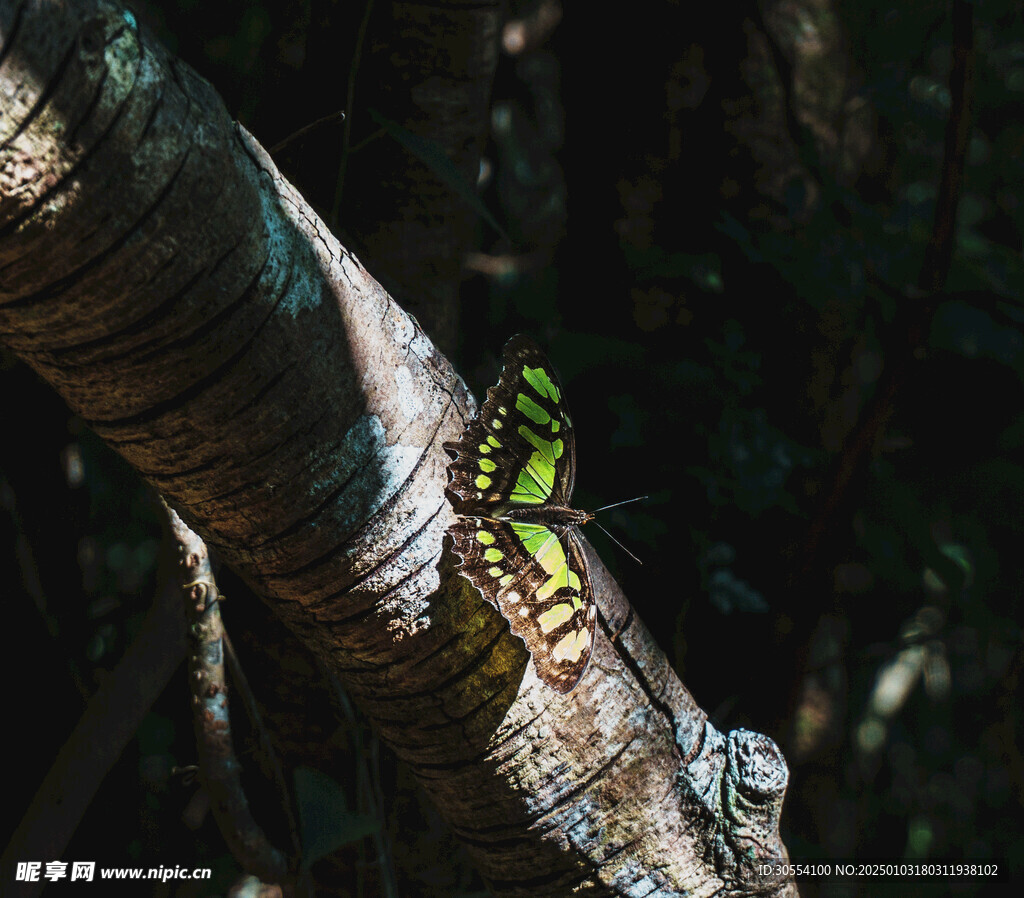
350	101
220	770
338	115
939	254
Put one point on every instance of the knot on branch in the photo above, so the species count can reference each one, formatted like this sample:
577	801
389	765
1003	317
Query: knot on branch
753	787
756	768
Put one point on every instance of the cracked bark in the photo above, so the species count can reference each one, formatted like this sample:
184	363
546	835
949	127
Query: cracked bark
158	271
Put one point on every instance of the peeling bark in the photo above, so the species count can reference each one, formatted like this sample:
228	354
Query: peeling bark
180	295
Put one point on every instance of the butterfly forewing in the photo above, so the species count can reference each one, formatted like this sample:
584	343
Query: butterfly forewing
516	460
520	449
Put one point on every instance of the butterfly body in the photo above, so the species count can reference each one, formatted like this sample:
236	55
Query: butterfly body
551	515
516	537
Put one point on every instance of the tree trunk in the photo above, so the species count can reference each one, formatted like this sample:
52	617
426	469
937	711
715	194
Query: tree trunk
158	271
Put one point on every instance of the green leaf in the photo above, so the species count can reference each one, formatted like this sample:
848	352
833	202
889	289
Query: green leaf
431	155
324	817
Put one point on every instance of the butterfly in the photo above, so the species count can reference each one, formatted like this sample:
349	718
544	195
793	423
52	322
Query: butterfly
516	537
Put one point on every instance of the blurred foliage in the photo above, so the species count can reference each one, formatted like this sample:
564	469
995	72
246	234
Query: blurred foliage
712	221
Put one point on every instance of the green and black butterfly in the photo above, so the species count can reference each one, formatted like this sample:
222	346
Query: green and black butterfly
516	536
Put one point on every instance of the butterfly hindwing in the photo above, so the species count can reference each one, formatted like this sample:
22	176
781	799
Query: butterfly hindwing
538	579
520	449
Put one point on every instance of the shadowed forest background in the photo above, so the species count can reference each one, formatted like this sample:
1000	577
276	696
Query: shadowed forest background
728	226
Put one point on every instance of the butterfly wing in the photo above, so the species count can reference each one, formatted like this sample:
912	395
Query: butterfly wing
519	451
538	578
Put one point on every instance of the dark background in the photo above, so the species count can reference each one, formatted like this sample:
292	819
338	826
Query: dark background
715	217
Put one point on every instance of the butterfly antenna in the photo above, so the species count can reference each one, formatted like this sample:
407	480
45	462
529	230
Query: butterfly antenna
616	505
614	540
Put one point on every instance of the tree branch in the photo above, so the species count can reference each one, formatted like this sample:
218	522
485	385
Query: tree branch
157	269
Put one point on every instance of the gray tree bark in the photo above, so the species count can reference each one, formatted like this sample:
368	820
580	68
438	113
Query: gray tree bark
159	272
